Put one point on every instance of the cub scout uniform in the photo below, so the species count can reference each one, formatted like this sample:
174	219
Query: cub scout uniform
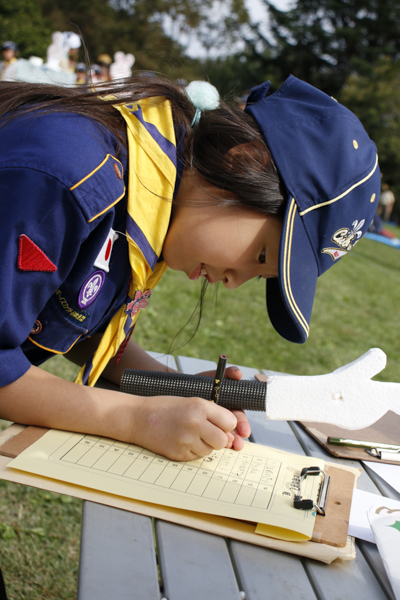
81	233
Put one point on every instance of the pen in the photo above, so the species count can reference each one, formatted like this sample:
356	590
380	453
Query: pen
361	444
219	375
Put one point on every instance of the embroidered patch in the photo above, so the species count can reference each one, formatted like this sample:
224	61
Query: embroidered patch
91	289
139	301
346	239
31	257
65	304
103	259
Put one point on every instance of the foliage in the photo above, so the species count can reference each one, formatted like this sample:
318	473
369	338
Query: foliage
39	543
22	22
156	32
318	40
373	94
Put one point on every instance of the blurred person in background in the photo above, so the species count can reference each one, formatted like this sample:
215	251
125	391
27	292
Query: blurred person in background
81	73
104	61
386	202
9	51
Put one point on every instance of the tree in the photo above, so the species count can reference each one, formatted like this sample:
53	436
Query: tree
373	94
22	22
320	41
157	32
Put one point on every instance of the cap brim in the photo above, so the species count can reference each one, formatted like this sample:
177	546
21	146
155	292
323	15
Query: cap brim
290	297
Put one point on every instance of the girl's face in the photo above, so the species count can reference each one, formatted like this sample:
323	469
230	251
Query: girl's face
227	244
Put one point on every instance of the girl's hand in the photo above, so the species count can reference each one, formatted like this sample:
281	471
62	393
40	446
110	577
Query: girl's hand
181	428
242	429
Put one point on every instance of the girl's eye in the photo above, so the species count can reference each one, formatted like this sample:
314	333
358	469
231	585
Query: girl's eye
261	258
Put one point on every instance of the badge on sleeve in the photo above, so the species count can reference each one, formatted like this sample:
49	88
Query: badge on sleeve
103	259
31	257
91	289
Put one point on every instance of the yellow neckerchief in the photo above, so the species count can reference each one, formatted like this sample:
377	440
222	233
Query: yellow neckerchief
152	174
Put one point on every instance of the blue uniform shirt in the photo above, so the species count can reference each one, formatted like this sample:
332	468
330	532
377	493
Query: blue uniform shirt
62	189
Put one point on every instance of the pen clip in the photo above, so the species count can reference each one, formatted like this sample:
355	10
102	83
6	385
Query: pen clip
219	375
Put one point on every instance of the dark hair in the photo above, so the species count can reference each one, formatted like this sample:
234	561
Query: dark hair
226	148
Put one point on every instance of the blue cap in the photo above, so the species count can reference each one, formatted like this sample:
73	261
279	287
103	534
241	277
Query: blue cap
329	167
9	45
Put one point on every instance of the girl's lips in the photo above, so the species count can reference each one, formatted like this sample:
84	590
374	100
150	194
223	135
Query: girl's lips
196	274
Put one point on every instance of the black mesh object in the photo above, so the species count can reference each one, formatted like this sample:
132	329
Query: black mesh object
244	394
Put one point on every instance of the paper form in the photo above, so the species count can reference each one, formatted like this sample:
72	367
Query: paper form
257	484
363	502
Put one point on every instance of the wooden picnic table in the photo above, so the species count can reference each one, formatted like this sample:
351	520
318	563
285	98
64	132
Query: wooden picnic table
127	556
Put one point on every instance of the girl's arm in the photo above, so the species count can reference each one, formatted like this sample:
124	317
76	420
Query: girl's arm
135	357
181	429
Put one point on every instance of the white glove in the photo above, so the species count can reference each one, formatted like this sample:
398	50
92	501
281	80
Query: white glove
347	397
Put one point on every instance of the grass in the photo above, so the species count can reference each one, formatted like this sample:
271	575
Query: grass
356	308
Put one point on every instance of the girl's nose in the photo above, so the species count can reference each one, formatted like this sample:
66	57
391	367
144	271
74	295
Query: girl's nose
233	279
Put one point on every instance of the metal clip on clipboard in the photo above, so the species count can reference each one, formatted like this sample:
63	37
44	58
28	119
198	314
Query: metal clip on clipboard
307	504
390	454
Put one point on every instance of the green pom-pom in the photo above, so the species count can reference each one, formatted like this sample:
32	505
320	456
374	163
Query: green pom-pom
203	95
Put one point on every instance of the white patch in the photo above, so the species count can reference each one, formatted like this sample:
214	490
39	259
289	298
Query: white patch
103	259
334	252
346	239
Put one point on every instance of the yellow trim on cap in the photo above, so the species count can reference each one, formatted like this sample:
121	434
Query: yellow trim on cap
286	268
344	193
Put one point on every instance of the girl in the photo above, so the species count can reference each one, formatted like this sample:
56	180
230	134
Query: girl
102	191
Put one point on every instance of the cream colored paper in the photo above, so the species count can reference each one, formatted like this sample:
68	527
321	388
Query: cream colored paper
257	484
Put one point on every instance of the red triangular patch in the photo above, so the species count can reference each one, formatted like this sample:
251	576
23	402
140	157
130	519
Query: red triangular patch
31	257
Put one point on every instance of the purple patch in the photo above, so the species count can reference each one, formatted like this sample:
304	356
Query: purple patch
91	289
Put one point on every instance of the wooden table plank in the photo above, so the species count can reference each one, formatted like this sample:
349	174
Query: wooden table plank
117	557
166	359
269	575
347	580
381	484
191	366
276	434
194	564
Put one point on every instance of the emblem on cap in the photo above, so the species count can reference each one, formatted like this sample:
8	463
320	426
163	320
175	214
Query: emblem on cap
91	289
346	239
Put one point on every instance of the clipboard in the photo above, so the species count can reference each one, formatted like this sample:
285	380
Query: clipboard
385	431
330	530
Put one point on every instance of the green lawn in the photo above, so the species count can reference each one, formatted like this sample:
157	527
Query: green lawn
356	308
